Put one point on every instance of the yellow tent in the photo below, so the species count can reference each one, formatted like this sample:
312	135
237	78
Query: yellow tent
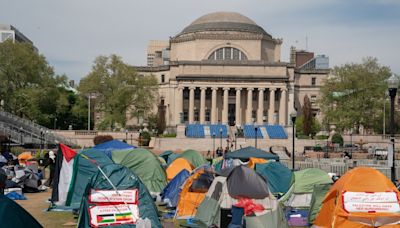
176	166
361	198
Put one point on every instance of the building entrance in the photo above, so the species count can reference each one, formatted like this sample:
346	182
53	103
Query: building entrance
231	114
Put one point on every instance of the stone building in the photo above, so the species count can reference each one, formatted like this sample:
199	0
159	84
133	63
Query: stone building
224	68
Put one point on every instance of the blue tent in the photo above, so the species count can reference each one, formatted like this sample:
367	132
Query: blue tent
173	188
112	145
278	176
251	152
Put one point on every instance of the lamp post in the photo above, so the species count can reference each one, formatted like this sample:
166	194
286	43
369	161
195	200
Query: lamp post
220	137
41	141
140	137
256	130
55	123
131	139
236	134
126	135
351	141
90	94
293	116
393	83
213	143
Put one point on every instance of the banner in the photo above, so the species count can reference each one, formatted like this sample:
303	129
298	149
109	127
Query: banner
111	196
371	202
113	214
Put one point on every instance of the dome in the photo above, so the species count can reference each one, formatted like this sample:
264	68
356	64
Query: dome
224	21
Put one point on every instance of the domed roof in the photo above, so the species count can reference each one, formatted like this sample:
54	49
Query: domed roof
223	21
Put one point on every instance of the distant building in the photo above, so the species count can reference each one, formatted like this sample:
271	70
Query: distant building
9	32
224	68
157	52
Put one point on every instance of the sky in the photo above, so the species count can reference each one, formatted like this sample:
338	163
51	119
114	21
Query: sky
72	33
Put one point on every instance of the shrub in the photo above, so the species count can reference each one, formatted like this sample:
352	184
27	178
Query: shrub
337	139
145	138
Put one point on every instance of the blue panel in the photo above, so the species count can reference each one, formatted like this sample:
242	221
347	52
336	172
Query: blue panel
276	132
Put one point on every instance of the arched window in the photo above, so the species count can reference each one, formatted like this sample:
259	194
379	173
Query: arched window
227	53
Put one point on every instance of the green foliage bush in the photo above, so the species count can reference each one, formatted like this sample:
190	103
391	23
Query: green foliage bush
337	139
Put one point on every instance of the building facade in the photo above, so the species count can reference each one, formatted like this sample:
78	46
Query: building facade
224	68
9	32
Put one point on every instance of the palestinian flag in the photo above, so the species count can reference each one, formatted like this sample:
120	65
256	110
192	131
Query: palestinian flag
102	219
63	174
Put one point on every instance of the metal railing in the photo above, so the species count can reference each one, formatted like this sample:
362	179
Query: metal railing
23	128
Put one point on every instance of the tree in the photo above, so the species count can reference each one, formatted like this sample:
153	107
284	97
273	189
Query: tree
307	122
161	119
354	93
118	90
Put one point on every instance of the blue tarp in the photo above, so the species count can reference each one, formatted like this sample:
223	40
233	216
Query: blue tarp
248	152
278	176
173	188
112	145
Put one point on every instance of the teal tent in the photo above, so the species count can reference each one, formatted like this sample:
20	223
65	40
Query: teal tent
278	176
249	152
306	179
145	165
123	179
13	215
194	157
85	166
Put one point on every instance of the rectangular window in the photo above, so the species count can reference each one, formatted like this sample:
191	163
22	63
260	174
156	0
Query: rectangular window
185	116
208	94
313	81
197	94
207	117
254	95
196	115
162	78
185	94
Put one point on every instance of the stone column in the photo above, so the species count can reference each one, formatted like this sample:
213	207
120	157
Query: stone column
271	109
202	104
260	110
214	105
225	106
282	107
238	109
191	104
249	109
179	104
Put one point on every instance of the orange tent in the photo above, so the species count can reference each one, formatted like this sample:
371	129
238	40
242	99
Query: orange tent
188	200
24	157
254	161
363	197
176	166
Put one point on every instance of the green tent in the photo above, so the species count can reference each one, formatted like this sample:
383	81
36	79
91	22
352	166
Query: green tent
85	165
278	176
248	152
144	164
123	179
194	157
168	156
13	215
304	180
318	196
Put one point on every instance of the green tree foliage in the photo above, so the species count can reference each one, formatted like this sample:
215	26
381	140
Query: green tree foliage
354	93
28	86
337	139
118	90
314	129
307	122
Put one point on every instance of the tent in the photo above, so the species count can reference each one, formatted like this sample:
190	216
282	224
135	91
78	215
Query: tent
245	182
253	161
109	146
362	197
13	215
176	166
169	156
219	199
145	165
85	166
298	199
24	157
171	192
318	195
102	205
248	152
190	198
194	157
279	177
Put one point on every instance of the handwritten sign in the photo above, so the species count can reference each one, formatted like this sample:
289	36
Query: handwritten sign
371	202
106	215
111	196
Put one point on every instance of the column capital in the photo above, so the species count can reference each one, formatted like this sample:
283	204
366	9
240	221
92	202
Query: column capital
203	88
226	88
250	89
261	89
284	89
214	88
181	87
272	89
238	88
192	87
